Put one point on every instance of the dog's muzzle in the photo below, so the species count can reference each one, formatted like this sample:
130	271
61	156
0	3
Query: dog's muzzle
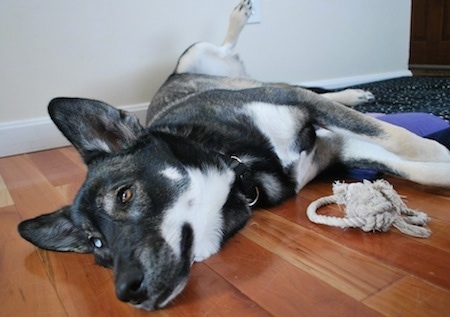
245	180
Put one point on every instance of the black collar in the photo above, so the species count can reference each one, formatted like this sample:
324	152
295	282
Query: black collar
244	179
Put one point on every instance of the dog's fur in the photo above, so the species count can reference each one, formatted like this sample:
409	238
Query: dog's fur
156	199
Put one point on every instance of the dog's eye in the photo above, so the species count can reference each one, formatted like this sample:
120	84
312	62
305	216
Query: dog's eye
96	242
125	195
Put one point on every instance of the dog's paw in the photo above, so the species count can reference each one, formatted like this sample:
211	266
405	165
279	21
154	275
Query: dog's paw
242	12
354	97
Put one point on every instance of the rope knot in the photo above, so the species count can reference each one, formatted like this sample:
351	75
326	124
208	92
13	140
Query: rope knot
372	207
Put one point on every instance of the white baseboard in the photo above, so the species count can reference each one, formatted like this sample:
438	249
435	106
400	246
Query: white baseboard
18	137
337	83
32	135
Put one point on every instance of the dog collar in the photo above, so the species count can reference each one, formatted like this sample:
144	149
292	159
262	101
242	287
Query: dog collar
245	180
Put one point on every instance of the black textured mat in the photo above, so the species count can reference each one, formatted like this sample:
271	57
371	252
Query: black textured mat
409	94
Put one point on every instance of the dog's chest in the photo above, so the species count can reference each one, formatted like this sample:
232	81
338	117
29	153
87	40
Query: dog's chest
200	206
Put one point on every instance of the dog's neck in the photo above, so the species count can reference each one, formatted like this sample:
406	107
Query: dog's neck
185	150
244	179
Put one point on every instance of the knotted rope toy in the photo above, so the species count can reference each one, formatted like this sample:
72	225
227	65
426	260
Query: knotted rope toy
372	207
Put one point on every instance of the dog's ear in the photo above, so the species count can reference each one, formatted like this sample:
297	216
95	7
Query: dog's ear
94	127
55	231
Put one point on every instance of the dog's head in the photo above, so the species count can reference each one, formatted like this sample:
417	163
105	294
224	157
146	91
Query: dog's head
140	210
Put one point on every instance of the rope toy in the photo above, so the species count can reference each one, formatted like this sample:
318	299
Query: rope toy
372	207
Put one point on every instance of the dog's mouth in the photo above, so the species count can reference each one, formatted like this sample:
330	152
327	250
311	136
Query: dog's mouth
175	292
151	287
161	300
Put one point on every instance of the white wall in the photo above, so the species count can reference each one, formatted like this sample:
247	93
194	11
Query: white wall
121	51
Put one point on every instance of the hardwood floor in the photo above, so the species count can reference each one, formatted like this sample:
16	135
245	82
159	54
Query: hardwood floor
280	264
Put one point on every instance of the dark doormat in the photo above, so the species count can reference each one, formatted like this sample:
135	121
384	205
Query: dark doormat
409	94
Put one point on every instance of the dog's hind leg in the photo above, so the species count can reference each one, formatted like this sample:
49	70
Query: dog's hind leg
353	124
368	142
238	19
350	97
356	153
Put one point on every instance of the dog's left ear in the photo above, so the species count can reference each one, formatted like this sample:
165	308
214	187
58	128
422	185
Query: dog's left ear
55	231
94	127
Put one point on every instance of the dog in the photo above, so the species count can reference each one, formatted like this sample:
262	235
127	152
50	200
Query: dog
217	144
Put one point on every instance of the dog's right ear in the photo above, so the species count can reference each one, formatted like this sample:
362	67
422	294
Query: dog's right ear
94	127
55	231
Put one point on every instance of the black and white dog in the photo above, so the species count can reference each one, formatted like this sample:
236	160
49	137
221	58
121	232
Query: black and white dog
159	198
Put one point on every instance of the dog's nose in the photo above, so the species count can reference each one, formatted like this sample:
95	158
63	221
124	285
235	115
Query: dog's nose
129	286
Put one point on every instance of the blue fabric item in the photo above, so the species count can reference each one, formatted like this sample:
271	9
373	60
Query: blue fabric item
442	136
422	124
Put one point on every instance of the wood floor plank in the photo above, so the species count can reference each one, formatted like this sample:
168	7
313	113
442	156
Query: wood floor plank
393	249
5	197
278	286
435	206
25	289
31	191
57	167
354	274
73	155
68	191
411	297
440	235
414	190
